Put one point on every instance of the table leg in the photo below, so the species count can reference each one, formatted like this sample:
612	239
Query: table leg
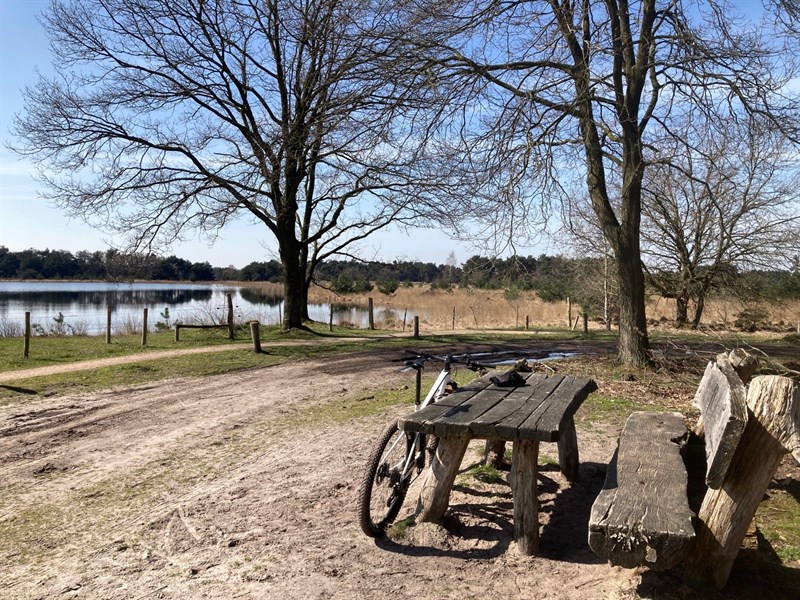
435	495
524	465
568	451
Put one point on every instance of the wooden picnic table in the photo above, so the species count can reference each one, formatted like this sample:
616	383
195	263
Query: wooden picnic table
540	411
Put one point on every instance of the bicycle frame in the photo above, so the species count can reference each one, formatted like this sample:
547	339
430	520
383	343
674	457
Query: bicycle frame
391	466
437	389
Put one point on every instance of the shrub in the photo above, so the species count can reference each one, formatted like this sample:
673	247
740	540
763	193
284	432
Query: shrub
387	286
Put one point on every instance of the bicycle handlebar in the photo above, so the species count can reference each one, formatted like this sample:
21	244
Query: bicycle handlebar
420	358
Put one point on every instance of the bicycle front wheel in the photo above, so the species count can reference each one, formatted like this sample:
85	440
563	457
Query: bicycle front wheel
384	485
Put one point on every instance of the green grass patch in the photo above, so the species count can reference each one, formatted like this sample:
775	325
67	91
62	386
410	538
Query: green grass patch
352	407
778	517
485	473
46	351
399	529
600	407
132	374
33	532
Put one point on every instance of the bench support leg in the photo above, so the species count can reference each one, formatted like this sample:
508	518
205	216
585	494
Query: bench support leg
435	495
568	451
524	465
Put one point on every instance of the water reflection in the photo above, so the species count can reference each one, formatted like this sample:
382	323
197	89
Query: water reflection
259	296
85	304
82	299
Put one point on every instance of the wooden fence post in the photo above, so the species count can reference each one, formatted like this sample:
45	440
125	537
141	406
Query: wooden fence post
177	332
371	307
527	322
330	319
416	326
144	326
27	343
569	312
585	322
454	318
230	315
108	324
405	314
255	332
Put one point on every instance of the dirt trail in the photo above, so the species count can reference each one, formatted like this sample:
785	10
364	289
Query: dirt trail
244	486
88	365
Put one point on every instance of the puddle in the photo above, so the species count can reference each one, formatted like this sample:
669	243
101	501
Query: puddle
510	357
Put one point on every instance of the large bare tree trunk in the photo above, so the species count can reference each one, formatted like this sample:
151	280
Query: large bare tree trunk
633	341
681	308
698	311
294	286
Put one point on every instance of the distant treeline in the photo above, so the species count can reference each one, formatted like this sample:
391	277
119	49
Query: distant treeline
111	264
552	277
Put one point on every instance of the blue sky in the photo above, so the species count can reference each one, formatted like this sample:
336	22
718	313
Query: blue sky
27	221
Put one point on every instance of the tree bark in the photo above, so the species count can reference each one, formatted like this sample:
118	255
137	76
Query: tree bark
772	430
698	311
681	308
294	287
633	341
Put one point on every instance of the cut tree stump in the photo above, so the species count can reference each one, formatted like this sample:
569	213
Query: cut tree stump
721	398
772	430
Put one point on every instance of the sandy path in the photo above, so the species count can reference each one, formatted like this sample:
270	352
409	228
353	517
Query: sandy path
244	485
88	365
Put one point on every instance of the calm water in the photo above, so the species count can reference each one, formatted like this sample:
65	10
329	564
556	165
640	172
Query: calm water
83	305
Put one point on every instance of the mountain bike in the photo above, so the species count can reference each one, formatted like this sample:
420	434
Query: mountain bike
399	457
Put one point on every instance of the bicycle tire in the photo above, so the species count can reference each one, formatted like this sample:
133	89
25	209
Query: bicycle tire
379	498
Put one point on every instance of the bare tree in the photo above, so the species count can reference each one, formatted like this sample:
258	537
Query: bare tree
558	89
728	200
169	116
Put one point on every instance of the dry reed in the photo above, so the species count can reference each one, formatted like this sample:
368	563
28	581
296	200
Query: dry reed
489	309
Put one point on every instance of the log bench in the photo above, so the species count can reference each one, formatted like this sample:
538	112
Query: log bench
540	411
642	515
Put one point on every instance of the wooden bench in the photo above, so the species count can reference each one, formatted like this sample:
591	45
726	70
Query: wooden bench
642	515
540	411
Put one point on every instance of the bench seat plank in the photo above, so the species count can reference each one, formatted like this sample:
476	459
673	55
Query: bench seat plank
642	515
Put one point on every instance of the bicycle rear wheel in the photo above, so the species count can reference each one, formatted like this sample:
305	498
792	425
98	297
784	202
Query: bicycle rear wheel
390	469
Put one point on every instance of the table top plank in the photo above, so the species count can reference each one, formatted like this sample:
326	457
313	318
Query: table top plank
547	421
513	406
422	420
535	411
458	419
508	427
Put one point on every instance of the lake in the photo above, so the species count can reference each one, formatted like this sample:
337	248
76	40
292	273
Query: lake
80	307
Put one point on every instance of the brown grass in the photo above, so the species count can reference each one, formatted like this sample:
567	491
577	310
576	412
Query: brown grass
488	309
